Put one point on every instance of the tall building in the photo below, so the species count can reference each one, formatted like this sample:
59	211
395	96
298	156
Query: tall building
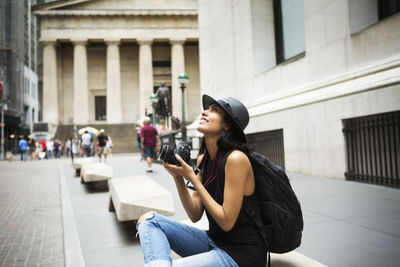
321	80
103	59
18	67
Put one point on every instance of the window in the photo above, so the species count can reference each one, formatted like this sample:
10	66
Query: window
386	8
289	29
100	108
373	148
364	13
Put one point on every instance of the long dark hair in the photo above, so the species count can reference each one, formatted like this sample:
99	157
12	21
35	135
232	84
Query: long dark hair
229	140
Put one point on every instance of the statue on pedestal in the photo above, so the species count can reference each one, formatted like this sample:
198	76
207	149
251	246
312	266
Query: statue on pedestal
164	100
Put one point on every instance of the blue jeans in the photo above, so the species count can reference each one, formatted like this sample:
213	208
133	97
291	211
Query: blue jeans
159	234
149	152
86	151
23	155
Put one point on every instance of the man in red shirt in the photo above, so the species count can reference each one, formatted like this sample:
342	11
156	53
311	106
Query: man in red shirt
150	142
43	144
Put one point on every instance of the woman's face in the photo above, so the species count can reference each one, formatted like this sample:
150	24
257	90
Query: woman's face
212	120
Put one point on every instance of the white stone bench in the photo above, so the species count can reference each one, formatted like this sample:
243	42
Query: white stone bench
291	259
97	174
78	162
131	197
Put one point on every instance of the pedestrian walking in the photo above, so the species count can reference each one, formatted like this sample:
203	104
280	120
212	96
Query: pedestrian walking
43	147
139	126
32	148
163	131
38	149
163	128
50	148
75	148
68	147
86	144
57	149
23	146
101	145
109	146
150	141
221	191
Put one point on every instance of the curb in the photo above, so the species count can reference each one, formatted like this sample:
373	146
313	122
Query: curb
72	245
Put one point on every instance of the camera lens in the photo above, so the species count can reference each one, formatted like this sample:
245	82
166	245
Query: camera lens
167	154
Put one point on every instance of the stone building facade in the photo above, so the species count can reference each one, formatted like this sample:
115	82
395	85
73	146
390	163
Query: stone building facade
303	68
18	70
103	59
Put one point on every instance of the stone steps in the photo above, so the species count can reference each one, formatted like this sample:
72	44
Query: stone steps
123	135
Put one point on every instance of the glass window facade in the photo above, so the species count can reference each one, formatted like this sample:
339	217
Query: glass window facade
289	29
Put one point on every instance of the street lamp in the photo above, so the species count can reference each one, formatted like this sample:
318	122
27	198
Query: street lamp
183	80
154	100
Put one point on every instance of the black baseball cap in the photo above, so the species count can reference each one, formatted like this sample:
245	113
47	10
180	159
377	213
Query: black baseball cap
234	109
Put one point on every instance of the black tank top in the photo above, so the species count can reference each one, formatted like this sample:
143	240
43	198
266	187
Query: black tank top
243	242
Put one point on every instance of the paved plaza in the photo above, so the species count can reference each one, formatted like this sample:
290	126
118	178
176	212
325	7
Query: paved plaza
31	229
48	218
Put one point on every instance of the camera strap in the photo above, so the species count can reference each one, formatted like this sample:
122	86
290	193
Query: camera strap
200	169
196	171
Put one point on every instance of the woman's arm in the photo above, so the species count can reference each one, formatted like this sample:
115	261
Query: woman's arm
191	203
237	171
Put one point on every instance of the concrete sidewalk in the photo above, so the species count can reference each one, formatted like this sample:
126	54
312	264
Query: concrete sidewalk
346	223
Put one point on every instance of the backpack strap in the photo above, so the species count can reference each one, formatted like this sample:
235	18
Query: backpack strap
263	229
221	170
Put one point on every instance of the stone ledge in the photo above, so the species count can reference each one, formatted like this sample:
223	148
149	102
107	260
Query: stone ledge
189	12
291	259
131	197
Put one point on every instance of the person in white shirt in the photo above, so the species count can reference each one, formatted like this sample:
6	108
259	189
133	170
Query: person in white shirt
49	148
86	144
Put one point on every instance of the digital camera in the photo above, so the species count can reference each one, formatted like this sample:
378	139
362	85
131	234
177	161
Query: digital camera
168	152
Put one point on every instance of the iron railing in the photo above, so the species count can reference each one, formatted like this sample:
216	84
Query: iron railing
270	144
372	148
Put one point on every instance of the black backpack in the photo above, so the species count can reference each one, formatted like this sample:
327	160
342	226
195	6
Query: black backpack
281	222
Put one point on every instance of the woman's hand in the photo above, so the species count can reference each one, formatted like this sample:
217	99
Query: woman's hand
171	171
182	171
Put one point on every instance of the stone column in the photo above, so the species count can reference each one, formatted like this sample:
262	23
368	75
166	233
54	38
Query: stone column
177	67
114	104
145	76
50	88
81	90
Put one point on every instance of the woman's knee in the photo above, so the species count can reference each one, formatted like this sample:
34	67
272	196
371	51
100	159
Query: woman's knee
145	216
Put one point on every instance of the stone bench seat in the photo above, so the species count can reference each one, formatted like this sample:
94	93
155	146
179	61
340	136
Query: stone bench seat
291	259
131	197
78	162
95	172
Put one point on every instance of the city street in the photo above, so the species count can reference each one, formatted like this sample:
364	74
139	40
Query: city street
48	218
314	85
